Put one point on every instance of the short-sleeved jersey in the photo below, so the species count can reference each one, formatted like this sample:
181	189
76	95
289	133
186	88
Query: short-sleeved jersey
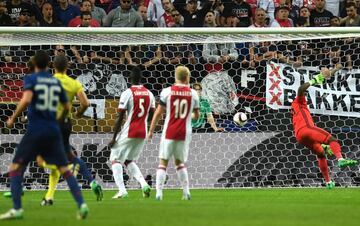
180	101
300	113
47	94
137	101
71	87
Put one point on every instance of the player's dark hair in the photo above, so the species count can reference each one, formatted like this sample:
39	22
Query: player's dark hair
135	75
41	60
60	63
30	63
350	4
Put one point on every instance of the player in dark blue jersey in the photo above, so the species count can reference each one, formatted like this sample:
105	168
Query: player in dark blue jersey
42	94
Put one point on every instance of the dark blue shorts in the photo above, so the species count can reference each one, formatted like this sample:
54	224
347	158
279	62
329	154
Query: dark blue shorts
48	144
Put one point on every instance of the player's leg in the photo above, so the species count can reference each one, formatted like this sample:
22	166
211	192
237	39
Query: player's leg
165	153
336	149
133	152
116	158
135	172
180	155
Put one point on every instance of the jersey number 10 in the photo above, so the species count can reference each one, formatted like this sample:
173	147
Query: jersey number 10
181	108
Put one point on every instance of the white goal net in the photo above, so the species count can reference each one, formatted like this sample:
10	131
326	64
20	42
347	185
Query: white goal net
256	72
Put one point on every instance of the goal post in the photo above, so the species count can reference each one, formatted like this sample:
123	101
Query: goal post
254	71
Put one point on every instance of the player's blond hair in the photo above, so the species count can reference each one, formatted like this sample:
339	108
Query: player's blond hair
182	73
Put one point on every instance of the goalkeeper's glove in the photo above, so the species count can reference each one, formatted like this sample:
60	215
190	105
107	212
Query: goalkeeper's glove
318	79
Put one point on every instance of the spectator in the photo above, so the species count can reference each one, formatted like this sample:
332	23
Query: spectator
14	8
85	6
333	6
304	17
24	19
166	20
97	13
200	125
154	9
282	18
304	3
335	21
48	18
210	19
193	17
269	7
123	16
260	18
142	10
352	19
320	17
178	54
66	12
177	18
241	11
86	19
38	9
262	53
5	19
343	9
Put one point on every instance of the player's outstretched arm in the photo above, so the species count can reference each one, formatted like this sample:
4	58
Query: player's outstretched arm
157	115
117	127
319	78
23	104
84	103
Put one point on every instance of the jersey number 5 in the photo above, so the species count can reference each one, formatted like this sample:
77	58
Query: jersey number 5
142	108
181	108
48	96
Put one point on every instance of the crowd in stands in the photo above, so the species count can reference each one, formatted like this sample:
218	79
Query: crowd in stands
180	13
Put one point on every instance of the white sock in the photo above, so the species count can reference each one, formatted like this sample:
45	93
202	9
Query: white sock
118	177
135	172
183	178
160	179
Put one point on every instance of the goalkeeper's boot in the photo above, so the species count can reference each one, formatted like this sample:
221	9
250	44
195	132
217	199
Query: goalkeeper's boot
97	189
327	150
146	191
346	162
330	185
46	202
83	212
120	195
8	194
12	214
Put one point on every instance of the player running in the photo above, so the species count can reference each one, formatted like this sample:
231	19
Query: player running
42	93
314	138
181	104
73	88
127	145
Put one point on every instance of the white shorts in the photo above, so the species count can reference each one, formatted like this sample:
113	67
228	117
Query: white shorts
177	148
126	149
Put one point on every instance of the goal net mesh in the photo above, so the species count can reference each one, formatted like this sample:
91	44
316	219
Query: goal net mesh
256	74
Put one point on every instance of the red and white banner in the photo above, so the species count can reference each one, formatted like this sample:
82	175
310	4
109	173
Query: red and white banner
338	96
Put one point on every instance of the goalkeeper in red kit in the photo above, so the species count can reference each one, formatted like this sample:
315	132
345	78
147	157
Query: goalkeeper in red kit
316	139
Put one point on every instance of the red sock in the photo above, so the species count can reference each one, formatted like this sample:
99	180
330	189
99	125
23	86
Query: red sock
335	147
324	168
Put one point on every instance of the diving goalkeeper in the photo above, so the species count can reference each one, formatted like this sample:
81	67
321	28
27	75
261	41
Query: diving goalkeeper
316	139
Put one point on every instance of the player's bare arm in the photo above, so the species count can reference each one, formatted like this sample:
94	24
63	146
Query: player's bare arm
157	116
64	112
84	103
117	127
196	114
23	104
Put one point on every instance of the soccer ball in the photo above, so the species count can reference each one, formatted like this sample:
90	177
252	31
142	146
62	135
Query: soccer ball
240	118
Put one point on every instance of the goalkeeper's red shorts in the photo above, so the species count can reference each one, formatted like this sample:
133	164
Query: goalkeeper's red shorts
312	138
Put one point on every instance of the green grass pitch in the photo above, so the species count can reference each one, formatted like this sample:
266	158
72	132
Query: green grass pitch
231	207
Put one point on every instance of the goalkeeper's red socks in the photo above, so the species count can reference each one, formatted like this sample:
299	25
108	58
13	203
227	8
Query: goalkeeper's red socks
335	147
324	168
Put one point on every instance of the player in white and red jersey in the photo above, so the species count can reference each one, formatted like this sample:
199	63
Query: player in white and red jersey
127	144
181	103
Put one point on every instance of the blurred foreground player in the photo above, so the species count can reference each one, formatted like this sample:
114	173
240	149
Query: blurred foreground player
127	144
73	88
181	104
314	138
42	93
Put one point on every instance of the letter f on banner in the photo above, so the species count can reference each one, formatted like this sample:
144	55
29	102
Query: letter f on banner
274	90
